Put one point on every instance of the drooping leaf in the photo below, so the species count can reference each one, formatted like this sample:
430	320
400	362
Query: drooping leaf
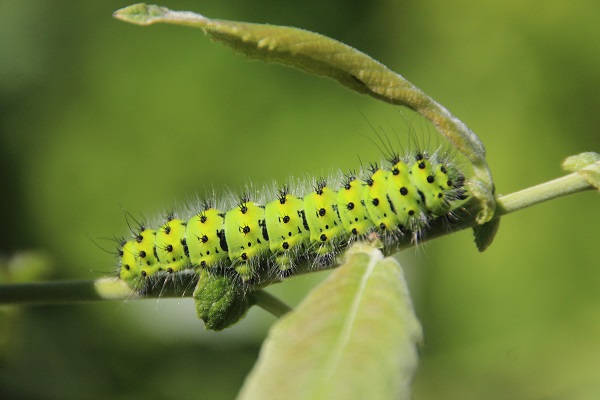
323	56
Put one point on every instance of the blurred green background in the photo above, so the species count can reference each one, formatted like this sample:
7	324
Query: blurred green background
98	116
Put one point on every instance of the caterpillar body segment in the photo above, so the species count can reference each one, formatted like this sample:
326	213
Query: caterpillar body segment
205	238
129	270
379	205
138	257
351	200
288	229
436	184
252	241
246	236
171	247
404	193
322	217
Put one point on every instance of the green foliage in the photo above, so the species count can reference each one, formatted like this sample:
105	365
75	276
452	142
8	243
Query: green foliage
353	337
586	164
220	301
98	114
484	234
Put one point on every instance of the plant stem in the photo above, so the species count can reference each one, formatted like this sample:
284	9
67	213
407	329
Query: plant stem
566	185
116	289
61	291
270	303
563	186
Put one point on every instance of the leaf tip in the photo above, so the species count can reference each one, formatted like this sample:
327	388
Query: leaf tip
140	14
580	161
484	234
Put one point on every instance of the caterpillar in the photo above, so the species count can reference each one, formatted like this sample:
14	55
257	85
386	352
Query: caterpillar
251	241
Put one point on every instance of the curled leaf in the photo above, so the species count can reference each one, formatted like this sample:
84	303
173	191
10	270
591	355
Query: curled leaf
484	234
220	301
323	56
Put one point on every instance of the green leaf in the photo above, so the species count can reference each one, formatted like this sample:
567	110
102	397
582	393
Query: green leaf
580	161
353	337
323	56
587	165
220	301
484	234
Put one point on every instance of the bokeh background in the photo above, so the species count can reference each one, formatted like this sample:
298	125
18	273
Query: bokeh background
98	117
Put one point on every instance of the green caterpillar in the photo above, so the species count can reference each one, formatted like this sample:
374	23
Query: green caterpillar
251	241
